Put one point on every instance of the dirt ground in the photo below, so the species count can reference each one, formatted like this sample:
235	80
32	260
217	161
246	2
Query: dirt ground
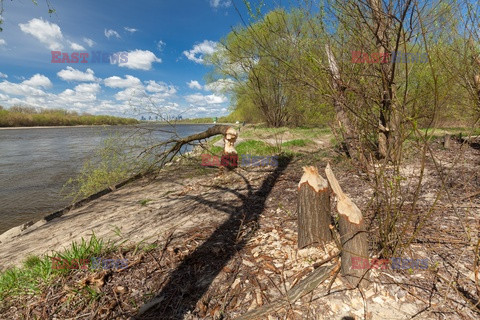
226	243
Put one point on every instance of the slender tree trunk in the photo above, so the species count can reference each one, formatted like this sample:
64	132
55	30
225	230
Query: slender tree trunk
389	140
341	115
313	209
353	236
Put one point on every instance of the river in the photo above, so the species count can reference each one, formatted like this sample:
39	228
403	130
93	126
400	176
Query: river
35	163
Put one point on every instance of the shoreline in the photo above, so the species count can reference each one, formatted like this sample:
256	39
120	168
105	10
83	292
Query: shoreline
18	229
103	125
56	127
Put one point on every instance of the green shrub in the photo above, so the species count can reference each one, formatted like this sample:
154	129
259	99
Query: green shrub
109	166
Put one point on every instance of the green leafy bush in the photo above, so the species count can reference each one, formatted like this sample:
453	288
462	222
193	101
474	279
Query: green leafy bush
110	165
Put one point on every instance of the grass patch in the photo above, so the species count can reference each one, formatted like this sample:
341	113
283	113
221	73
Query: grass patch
36	272
434	133
262	132
297	143
256	148
312	133
215	150
252	147
215	139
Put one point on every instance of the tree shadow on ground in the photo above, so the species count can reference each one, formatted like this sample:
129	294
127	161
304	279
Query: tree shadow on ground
192	278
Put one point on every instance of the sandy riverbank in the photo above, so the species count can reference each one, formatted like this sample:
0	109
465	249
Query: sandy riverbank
116	216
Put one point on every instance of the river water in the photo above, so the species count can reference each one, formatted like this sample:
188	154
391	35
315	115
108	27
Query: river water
35	163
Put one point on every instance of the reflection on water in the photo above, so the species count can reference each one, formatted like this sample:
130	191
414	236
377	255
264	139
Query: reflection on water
36	163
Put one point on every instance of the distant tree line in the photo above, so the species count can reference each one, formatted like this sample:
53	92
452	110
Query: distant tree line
24	116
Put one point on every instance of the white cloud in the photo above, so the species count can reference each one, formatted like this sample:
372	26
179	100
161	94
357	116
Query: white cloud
71	74
48	33
202	100
140	60
131	30
110	33
205	111
76	46
160	45
28	87
161	89
152	93
194	84
132	94
220	85
89	42
117	82
199	50
19	89
89	88
170	107
38	81
81	94
3	42
3	75
220	3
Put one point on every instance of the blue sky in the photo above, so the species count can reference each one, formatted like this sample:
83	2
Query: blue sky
164	41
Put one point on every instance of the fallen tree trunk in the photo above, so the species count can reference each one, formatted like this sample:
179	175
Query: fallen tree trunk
353	236
173	146
305	286
213	131
313	209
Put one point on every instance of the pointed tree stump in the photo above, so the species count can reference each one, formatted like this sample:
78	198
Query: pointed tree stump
353	236
314	216
230	156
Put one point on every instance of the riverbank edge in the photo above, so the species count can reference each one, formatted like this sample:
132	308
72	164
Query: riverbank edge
108	125
59	127
17	230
